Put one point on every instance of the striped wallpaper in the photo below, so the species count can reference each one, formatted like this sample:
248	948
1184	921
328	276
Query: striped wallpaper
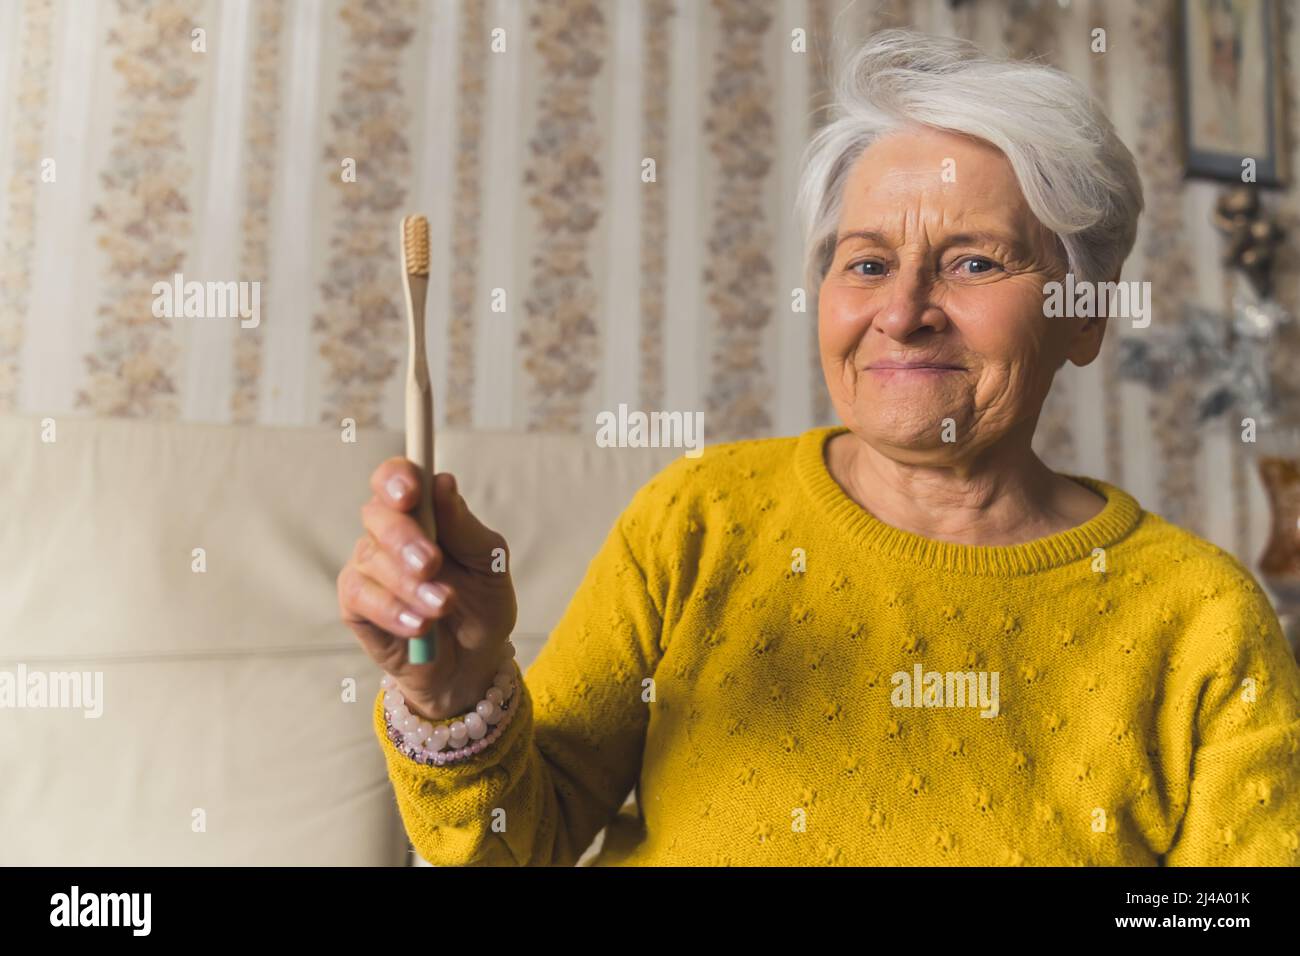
609	185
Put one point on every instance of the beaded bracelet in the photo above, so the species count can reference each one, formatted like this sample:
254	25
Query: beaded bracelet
427	743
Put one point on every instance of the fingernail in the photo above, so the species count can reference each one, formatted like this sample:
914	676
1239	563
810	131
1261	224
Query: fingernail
432	594
415	556
396	487
409	619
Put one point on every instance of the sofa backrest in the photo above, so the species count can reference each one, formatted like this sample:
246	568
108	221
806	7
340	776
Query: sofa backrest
235	724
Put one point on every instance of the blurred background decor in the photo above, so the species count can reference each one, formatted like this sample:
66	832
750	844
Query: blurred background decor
1229	358
1231	89
1279	567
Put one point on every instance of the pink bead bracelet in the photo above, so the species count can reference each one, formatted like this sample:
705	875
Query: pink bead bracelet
440	744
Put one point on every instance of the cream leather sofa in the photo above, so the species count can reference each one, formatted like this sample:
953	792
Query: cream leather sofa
235	725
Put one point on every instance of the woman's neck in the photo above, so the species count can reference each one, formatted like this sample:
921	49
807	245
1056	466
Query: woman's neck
1008	497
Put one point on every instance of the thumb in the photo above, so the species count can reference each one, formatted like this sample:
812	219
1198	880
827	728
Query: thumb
460	533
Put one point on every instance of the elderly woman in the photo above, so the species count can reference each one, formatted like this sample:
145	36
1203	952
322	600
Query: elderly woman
900	641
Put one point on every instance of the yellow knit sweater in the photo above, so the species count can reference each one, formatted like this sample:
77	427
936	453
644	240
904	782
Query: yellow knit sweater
744	652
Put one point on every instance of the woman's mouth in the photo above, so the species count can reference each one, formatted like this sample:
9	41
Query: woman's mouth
913	368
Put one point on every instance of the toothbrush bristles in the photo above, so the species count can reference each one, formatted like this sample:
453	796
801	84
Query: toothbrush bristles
415	241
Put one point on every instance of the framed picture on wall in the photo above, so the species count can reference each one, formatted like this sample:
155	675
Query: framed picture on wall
1232	102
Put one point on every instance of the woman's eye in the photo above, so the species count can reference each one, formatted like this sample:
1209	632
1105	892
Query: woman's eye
976	265
872	268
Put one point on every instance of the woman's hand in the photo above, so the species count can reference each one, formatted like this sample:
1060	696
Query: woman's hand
398	582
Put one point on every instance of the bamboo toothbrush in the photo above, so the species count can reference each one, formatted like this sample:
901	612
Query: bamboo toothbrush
419	395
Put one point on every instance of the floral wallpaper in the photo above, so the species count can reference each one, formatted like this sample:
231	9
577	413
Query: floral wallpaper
144	218
466	192
1165	249
564	181
265	96
362	328
654	206
289	138
738	269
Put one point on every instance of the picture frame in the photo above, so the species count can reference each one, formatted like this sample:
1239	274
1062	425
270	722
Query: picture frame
1232	94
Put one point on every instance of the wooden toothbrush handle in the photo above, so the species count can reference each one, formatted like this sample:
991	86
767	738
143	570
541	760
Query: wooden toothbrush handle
419	449
419	438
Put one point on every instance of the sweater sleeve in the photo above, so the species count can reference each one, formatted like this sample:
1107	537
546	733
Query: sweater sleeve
572	752
1243	798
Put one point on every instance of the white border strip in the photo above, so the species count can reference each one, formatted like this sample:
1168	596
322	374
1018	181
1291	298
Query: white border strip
292	294
435	169
793	392
56	323
1141	472
209	343
494	347
1214	459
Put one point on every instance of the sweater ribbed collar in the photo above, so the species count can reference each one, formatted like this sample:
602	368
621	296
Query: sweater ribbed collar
1119	517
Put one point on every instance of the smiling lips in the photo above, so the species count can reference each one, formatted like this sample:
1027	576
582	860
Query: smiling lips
916	367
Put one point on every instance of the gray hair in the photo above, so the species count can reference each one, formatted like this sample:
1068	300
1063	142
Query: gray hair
1077	177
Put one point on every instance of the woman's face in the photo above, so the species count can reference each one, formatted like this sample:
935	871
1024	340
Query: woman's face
932	308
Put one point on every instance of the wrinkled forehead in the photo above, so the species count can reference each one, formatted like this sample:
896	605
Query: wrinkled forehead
885	173
936	180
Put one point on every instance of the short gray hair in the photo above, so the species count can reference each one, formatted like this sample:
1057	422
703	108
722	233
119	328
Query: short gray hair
1077	177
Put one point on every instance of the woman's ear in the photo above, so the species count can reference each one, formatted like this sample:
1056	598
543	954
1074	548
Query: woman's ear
1089	335
1087	341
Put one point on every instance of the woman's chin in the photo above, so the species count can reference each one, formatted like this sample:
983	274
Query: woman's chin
914	443
902	425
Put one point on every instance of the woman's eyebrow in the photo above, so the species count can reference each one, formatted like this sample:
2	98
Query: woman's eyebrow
866	234
975	238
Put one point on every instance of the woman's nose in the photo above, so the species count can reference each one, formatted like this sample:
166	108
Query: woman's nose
910	306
